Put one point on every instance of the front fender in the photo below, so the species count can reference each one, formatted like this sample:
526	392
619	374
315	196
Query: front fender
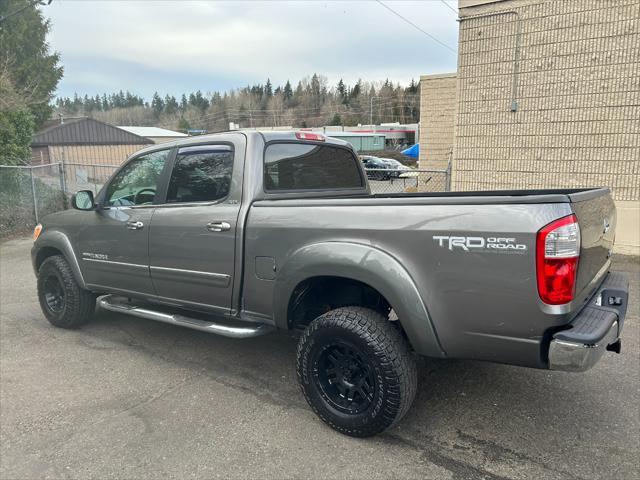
58	240
366	264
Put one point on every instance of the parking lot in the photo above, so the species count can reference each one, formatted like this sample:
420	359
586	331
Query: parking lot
128	398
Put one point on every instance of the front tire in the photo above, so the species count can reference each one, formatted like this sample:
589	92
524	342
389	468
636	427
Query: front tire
64	303
356	371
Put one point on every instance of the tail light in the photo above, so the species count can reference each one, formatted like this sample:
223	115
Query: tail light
557	255
310	136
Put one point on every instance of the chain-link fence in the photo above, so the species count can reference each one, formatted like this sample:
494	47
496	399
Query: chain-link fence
28	193
80	176
408	180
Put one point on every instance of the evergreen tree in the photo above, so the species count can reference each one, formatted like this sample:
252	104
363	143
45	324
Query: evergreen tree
413	87
342	92
170	104
34	71
356	90
157	104
288	91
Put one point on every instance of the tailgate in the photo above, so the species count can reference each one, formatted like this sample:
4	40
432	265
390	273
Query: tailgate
596	215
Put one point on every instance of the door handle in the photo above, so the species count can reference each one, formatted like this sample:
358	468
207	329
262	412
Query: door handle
218	226
137	225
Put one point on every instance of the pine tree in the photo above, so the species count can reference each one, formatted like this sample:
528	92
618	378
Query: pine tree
157	104
342	92
170	104
288	91
356	90
33	70
413	87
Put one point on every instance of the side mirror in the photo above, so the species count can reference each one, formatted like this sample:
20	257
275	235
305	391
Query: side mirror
83	200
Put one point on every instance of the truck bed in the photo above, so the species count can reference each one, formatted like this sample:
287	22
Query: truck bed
558	195
485	197
483	304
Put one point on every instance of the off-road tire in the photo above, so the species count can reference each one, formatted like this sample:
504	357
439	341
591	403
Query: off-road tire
77	306
382	351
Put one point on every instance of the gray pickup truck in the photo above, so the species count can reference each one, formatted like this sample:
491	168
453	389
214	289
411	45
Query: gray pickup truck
243	233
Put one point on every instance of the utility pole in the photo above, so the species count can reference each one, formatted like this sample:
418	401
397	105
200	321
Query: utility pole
371	109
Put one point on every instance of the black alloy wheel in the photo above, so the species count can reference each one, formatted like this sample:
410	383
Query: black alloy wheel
54	298
63	301
344	378
356	370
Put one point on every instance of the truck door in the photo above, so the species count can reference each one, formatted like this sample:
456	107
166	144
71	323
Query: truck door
113	240
192	239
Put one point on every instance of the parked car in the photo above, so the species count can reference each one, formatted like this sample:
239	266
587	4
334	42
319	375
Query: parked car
242	233
398	168
375	168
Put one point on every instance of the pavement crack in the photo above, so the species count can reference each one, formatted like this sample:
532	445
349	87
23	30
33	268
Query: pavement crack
493	449
460	470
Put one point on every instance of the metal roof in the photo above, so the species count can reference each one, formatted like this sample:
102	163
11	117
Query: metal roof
152	131
86	131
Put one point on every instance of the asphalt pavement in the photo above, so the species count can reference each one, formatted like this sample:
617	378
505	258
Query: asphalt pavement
129	398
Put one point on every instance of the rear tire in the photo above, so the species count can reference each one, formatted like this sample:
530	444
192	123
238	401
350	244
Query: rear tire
356	371
64	303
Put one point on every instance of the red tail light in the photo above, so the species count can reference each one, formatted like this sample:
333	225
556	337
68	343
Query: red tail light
557	255
310	136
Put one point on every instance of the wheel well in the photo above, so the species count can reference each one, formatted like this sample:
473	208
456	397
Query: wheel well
44	253
315	296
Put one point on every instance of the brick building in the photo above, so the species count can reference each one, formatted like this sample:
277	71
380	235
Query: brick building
437	119
547	95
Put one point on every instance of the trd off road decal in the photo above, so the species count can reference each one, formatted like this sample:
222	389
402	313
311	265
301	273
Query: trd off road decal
480	244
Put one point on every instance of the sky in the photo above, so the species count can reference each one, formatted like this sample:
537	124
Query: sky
183	46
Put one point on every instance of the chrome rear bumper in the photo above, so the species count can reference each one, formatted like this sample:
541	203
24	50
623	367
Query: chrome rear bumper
596	329
578	357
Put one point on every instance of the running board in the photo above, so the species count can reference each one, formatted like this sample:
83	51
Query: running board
120	304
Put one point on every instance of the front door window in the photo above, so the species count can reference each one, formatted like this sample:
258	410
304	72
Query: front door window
137	182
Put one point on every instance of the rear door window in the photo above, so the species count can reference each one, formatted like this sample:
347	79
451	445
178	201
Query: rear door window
303	166
201	174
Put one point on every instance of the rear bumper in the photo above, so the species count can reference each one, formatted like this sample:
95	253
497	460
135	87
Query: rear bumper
594	330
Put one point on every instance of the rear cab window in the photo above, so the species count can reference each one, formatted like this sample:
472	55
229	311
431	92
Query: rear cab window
290	167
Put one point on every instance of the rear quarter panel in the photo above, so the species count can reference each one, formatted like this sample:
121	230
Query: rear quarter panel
483	303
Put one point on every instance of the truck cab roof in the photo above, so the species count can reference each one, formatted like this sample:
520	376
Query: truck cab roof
252	136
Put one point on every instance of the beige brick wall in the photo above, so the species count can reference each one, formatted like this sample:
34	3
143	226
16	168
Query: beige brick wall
578	100
437	118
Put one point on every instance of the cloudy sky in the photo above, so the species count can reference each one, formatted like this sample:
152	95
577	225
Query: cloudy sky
183	46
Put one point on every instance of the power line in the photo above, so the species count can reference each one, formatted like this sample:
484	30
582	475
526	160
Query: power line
416	26
449	7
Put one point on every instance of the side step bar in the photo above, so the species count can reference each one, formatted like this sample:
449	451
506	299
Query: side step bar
121	305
